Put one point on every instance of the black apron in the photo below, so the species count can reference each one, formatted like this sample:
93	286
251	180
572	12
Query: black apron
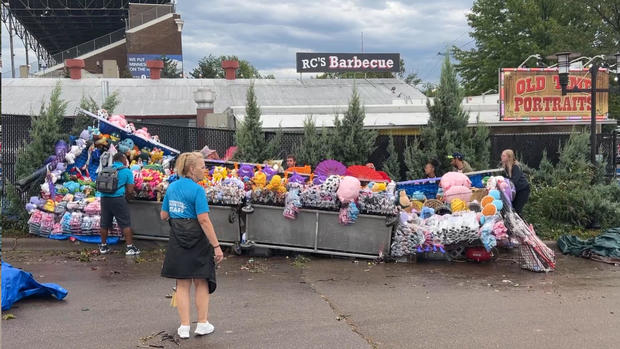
189	254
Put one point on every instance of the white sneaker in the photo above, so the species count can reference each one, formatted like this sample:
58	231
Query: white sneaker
203	328
183	331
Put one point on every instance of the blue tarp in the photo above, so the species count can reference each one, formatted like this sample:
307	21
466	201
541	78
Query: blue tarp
91	239
18	284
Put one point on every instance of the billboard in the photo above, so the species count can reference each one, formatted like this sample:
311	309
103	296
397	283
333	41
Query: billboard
536	94
311	62
137	64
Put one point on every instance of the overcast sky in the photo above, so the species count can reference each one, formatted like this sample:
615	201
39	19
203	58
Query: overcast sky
268	33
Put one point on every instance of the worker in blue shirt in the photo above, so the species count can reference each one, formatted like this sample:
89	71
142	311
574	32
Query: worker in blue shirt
115	205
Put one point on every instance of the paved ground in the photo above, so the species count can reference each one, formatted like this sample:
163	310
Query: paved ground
280	302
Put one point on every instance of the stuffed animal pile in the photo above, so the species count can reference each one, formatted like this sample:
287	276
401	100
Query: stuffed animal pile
460	220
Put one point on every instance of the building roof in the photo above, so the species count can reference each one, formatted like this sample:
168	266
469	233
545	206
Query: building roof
388	103
176	96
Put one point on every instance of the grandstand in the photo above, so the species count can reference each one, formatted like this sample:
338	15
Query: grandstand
56	30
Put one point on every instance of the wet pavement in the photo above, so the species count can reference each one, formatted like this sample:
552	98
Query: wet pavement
319	302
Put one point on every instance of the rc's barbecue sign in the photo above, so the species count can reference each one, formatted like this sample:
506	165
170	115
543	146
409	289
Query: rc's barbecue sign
536	94
311	62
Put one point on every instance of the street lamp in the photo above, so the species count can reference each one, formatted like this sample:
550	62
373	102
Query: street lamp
563	70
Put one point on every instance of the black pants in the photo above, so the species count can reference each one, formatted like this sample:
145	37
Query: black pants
520	199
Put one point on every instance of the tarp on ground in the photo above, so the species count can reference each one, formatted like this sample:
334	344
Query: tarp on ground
605	245
18	284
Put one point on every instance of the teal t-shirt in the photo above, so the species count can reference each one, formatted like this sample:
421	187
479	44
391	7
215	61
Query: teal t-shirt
185	199
125	176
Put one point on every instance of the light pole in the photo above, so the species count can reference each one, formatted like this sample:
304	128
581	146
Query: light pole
563	70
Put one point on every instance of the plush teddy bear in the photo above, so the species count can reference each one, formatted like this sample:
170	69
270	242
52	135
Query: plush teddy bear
130	128
102	113
118	121
143	132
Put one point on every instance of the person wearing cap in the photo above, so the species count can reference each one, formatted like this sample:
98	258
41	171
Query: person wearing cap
457	160
210	154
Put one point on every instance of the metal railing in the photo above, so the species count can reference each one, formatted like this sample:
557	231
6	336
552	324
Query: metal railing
149	15
89	46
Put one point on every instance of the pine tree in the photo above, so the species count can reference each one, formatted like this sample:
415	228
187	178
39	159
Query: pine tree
416	157
310	150
479	147
544	174
249	136
391	166
352	144
326	150
447	131
273	150
45	131
82	121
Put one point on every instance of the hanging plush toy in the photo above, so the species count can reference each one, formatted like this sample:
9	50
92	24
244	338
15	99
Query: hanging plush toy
143	133
349	189
118	121
130	128
125	145
102	113
275	184
259	179
145	155
157	155
219	173
451	179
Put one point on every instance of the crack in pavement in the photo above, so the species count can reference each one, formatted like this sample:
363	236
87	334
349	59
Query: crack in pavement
341	316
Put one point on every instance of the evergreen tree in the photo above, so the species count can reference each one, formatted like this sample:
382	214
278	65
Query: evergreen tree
391	166
326	150
447	131
310	150
45	131
82	121
416	156
249	136
273	150
544	174
478	147
352	144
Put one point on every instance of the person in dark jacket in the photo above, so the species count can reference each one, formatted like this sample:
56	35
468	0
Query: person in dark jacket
513	171
193	248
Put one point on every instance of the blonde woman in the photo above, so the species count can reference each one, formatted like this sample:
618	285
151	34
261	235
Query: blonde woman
513	171
193	248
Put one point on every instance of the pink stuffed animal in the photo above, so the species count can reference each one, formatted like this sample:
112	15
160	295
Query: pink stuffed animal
451	179
143	132
118	121
349	189
457	192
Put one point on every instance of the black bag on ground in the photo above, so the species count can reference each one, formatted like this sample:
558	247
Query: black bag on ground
107	180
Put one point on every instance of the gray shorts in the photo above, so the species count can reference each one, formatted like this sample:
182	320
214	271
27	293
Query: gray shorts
116	207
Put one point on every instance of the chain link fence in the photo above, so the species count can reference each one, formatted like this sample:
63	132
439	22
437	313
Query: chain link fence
528	147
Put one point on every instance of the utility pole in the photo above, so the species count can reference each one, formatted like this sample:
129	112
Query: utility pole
11	45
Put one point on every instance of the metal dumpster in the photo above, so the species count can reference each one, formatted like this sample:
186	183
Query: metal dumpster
317	231
146	223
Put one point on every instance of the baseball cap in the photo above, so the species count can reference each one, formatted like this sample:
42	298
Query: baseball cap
456	155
